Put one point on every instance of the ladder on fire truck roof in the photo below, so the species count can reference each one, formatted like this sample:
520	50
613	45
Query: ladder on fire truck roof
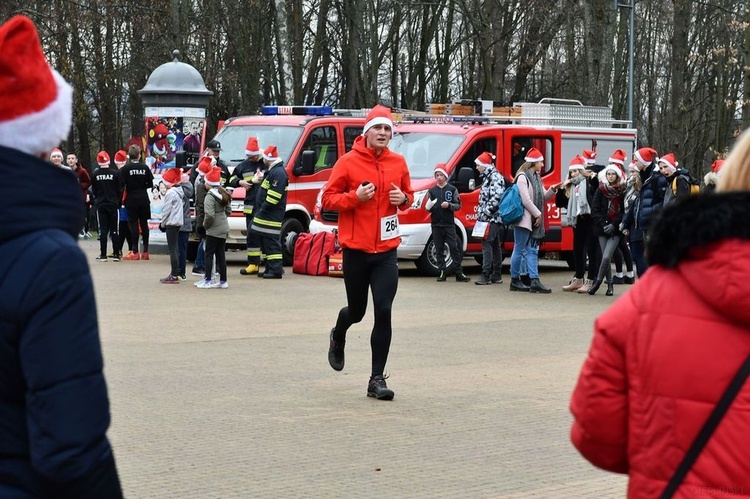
546	112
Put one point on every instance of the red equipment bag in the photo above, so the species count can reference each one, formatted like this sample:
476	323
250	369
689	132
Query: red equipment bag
311	252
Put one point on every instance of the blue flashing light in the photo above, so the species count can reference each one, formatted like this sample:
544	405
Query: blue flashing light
297	110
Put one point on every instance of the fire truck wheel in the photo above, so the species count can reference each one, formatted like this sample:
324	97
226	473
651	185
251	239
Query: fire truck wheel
290	229
427	261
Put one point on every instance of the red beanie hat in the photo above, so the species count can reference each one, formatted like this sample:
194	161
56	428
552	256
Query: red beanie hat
577	163
618	157
121	157
35	101
172	176
252	148
534	156
214	176
271	153
670	161
485	159
589	156
440	168
205	164
102	159
645	155
378	115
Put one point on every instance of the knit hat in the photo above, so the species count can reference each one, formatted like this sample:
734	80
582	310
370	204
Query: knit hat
214	176
717	165
610	168
485	159
205	164
121	157
172	176
534	156
35	101
252	148
670	161
55	152
577	163
618	157
645	155
440	168
271	153
102	159
378	115
589	156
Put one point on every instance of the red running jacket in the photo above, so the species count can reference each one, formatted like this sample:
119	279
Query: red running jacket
359	221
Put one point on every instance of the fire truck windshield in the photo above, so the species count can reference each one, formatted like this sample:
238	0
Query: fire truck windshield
423	151
234	138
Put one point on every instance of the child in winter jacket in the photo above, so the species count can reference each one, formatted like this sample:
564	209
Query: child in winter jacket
216	208
171	221
442	203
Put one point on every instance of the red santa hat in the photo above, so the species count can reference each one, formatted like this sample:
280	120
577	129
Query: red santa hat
55	152
121	157
717	165
534	156
252	148
577	163
645	155
205	164
633	166
611	168
35	101
102	159
214	176
378	115
618	157
670	161
172	176
590	156
485	159
271	153
440	168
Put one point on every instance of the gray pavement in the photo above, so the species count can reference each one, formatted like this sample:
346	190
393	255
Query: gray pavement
228	393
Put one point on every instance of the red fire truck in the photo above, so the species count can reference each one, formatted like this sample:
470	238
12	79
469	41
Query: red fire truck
559	129
309	139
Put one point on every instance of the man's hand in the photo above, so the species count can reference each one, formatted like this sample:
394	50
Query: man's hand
366	191
609	229
444	204
396	196
244	183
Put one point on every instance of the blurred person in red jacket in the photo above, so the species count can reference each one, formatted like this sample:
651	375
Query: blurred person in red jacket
367	186
664	353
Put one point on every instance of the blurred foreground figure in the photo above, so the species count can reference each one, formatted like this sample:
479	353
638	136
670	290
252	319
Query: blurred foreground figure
54	411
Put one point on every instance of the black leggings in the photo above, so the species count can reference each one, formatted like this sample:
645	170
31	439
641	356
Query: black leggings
216	247
379	272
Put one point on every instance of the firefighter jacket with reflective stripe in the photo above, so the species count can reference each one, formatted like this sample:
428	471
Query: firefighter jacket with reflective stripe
248	171
270	202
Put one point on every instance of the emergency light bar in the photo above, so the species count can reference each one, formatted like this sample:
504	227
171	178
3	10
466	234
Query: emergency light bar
297	110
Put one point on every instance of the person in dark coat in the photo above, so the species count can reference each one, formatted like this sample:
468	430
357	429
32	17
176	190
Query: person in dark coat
443	202
54	410
635	224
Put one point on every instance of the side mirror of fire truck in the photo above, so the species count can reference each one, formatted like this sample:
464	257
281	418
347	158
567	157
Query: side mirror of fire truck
306	166
465	182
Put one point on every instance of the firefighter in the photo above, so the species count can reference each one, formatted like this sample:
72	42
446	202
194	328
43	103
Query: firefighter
249	174
268	214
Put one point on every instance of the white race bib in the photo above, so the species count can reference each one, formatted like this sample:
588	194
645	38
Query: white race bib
389	228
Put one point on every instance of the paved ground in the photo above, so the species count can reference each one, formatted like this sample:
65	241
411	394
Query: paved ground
227	393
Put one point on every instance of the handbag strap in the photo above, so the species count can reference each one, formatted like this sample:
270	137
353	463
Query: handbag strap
708	428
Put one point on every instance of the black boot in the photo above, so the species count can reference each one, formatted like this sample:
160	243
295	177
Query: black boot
517	285
526	279
378	389
595	287
336	353
610	288
461	277
496	278
538	287
441	276
483	279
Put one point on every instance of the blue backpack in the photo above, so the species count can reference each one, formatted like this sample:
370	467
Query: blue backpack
511	208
